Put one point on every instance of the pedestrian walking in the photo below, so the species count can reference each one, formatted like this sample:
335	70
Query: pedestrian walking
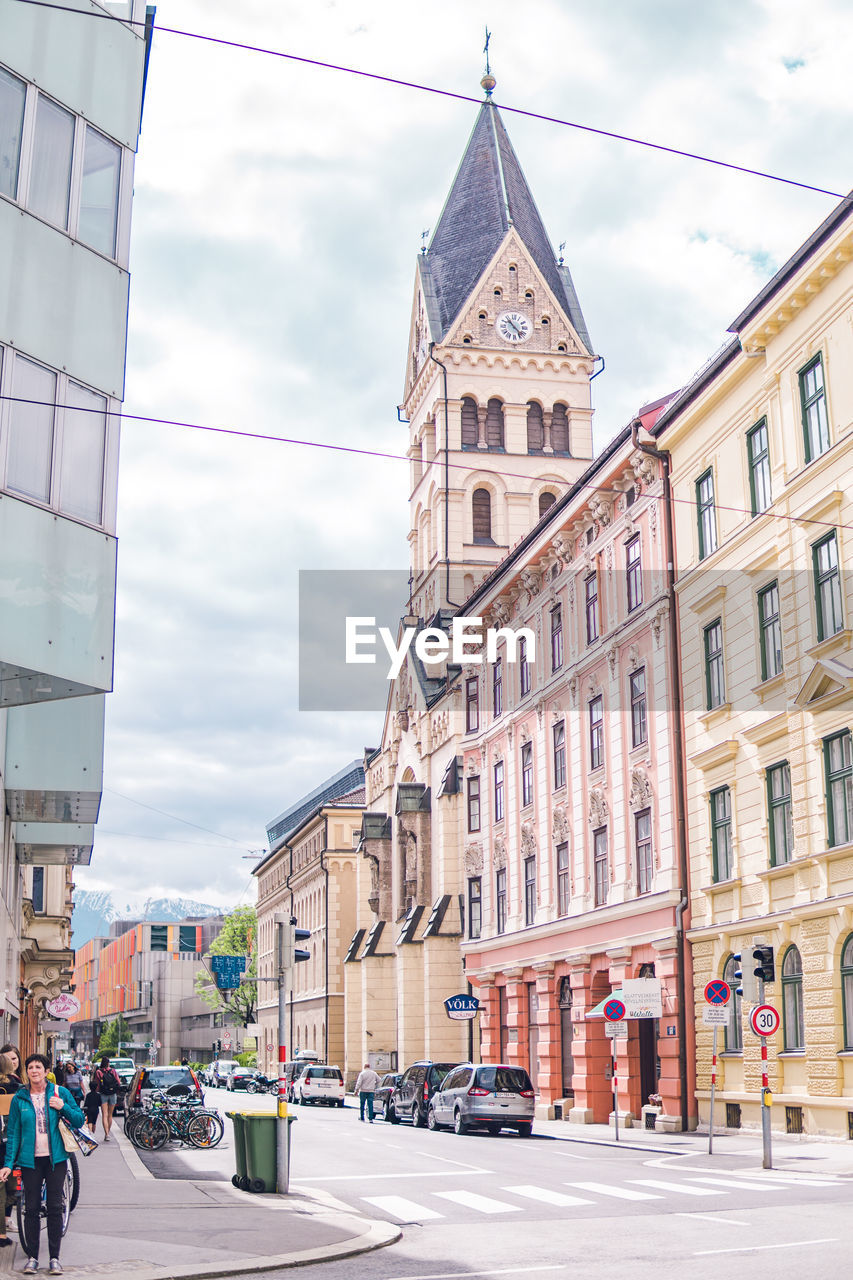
11	1050
365	1087
9	1086
92	1109
34	1142
74	1082
108	1085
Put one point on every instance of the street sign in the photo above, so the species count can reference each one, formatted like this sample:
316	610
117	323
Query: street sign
642	997
614	1010
764	1020
462	1007
718	992
715	1015
227	971
64	1006
616	1030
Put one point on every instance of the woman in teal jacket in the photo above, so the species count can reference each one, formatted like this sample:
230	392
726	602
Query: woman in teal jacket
34	1143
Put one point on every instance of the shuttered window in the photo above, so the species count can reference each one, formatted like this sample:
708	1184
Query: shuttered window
559	429
495	424
481	505
535	428
469	423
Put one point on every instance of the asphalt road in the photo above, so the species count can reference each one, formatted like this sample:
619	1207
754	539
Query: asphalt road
505	1206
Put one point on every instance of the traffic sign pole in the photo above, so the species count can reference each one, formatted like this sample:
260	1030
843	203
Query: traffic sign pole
713	1092
615	1089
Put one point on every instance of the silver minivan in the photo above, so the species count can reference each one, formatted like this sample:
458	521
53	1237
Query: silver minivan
489	1097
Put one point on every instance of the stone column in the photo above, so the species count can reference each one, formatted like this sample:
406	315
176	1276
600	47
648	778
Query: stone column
589	1054
516	1017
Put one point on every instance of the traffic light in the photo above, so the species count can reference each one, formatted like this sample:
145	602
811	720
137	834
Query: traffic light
289	935
745	977
765	965
299	935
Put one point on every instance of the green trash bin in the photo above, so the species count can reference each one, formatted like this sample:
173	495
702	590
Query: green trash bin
241	1177
260	1142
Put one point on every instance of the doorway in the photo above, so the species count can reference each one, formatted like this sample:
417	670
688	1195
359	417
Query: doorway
567	1067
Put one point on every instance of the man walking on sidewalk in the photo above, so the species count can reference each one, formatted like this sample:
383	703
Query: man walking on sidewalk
365	1087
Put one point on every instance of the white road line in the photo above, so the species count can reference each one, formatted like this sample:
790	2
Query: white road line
741	1186
790	1179
503	1271
621	1193
678	1187
715	1217
750	1248
403	1209
545	1195
460	1164
372	1177
483	1204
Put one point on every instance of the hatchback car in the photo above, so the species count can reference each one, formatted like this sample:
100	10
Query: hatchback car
319	1084
384	1089
484	1097
174	1080
411	1097
241	1078
220	1071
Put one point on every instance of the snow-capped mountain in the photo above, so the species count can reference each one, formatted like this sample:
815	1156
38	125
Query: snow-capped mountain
95	910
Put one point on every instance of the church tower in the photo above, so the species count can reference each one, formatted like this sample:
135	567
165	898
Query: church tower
497	389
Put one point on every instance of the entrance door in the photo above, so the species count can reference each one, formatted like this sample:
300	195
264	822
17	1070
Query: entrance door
566	1035
647	1034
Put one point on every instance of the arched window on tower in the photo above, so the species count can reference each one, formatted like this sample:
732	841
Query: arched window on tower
535	428
560	429
546	500
481	507
470	429
495	424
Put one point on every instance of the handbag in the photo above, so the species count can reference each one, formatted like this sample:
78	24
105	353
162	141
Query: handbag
75	1140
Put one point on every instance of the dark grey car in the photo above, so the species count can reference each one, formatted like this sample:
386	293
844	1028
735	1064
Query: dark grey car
411	1097
489	1097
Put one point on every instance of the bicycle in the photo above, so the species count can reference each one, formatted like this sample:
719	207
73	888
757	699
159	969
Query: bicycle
70	1196
168	1119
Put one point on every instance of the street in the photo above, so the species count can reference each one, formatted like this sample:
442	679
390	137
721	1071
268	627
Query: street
480	1205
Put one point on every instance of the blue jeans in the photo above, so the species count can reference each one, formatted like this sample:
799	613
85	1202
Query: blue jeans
365	1100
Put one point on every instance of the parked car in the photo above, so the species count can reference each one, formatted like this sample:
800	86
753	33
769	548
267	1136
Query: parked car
125	1069
489	1097
411	1096
319	1084
241	1078
295	1068
175	1080
382	1096
220	1071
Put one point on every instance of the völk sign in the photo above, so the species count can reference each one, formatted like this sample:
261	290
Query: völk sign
462	1007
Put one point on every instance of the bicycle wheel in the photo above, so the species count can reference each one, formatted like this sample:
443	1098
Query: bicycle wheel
74	1175
205	1130
21	1210
67	1195
151	1133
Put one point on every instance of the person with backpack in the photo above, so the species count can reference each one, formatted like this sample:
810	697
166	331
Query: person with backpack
105	1082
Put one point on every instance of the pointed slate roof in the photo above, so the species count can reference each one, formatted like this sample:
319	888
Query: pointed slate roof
489	194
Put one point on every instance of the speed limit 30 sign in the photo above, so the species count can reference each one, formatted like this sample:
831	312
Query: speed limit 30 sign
764	1020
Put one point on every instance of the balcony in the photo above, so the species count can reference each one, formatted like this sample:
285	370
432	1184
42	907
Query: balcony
55	761
51	844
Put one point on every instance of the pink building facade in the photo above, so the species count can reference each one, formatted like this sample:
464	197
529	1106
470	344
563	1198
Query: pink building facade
574	873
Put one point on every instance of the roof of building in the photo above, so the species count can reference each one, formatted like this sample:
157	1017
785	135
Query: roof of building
342	783
488	195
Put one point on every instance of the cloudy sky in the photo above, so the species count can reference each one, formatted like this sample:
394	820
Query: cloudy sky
277	217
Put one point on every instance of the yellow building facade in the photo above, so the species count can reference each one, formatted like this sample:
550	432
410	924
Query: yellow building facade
761	447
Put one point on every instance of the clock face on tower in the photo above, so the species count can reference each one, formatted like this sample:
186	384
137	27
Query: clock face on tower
513	326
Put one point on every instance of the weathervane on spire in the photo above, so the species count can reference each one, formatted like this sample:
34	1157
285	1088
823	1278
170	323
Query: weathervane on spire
424	235
562	247
488	81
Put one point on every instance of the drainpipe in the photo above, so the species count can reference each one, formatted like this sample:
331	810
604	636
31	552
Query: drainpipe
663	457
443	368
325	867
287	884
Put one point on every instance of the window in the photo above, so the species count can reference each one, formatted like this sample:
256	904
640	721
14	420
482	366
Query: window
734	1026
529	890
637	685
472	705
792	1000
546	502
770	631
523	667
498	688
813	402
715	681
559	736
99	192
721	834
779	814
53	146
38	891
599	860
481	510
187	937
847	991
596	732
500	900
474	804
838	768
556	638
527	774
560	429
475	906
495	424
643	842
706	514
563	883
758	455
499	791
535	428
470	423
159	937
13	95
827	586
591	607
633	570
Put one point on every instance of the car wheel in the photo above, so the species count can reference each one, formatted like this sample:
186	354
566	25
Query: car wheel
418	1117
432	1123
459	1125
391	1114
525	1130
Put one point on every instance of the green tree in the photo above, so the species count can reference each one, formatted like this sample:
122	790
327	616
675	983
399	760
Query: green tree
238	937
114	1033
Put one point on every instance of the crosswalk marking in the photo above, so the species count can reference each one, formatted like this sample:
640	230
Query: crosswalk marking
403	1209
546	1195
678	1187
483	1204
727	1183
793	1179
621	1193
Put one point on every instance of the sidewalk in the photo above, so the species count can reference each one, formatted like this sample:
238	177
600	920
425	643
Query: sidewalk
158	1229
